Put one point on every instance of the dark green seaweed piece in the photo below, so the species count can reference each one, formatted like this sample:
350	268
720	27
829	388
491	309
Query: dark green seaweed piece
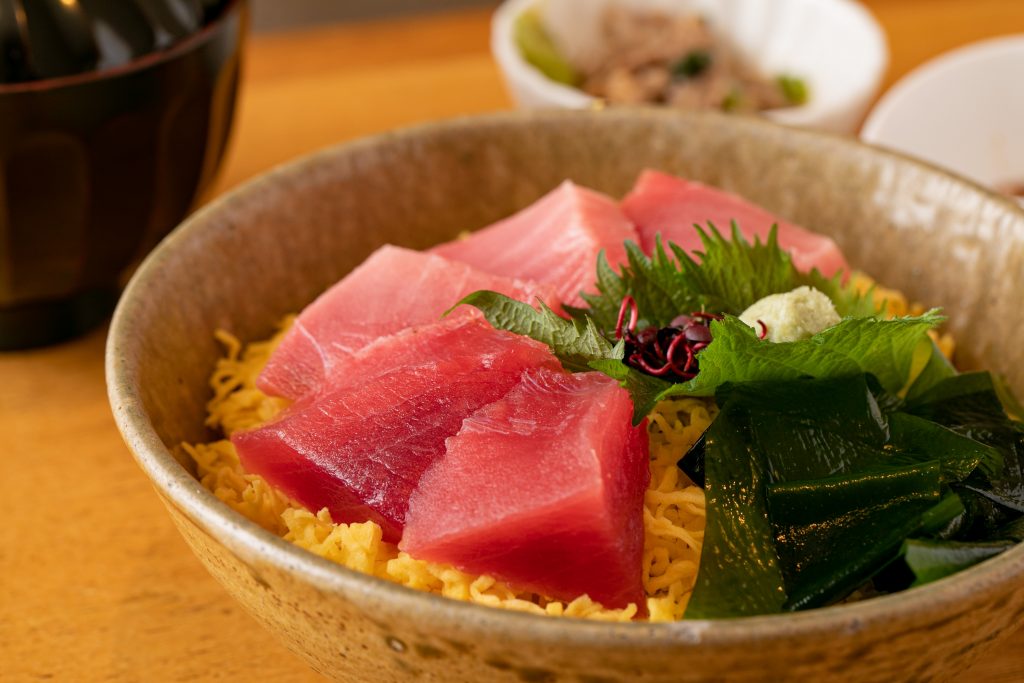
946	518
739	572
969	405
645	390
833	534
931	560
842	481
982	516
917	438
692	464
811	428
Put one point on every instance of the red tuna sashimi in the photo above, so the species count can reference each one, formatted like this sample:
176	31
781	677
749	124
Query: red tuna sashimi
543	489
359	449
556	239
660	203
393	289
449	339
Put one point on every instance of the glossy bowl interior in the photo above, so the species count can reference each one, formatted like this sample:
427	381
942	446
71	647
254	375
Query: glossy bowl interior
273	245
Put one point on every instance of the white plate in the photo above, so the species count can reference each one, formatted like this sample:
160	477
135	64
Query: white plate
963	110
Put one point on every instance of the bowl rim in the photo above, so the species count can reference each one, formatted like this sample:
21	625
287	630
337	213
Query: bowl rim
903	92
253	545
516	68
140	63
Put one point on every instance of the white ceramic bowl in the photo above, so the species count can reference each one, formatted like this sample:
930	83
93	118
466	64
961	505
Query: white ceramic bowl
836	46
963	110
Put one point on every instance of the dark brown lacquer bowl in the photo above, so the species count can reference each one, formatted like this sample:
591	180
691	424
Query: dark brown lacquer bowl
96	167
271	246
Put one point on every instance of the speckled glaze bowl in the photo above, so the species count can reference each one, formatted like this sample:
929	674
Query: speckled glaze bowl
271	246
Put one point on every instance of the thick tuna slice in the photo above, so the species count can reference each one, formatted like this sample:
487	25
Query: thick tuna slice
543	489
556	239
393	289
661	203
359	450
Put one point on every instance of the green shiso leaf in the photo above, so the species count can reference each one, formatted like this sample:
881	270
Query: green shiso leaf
929	367
575	343
644	389
883	348
604	308
657	285
849	301
537	48
731	275
1006	396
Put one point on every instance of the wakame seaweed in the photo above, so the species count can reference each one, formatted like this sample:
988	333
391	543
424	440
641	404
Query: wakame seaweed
739	569
969	404
867	517
839	481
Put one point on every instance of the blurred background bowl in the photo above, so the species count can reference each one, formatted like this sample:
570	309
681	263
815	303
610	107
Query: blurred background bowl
270	247
835	46
96	167
963	110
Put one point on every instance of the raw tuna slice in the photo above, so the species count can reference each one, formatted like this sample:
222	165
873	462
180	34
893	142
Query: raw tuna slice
661	203
360	449
556	239
543	489
393	289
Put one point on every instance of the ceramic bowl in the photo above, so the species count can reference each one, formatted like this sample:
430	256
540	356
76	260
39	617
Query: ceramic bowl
271	246
960	111
836	46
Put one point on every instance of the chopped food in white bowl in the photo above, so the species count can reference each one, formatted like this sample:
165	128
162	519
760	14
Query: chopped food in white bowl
814	63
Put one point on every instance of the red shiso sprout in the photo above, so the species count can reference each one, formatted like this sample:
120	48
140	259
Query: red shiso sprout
669	352
628	302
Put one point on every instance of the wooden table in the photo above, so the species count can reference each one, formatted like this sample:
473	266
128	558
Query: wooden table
95	583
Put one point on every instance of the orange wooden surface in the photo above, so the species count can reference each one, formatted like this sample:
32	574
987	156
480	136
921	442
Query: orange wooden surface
95	584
